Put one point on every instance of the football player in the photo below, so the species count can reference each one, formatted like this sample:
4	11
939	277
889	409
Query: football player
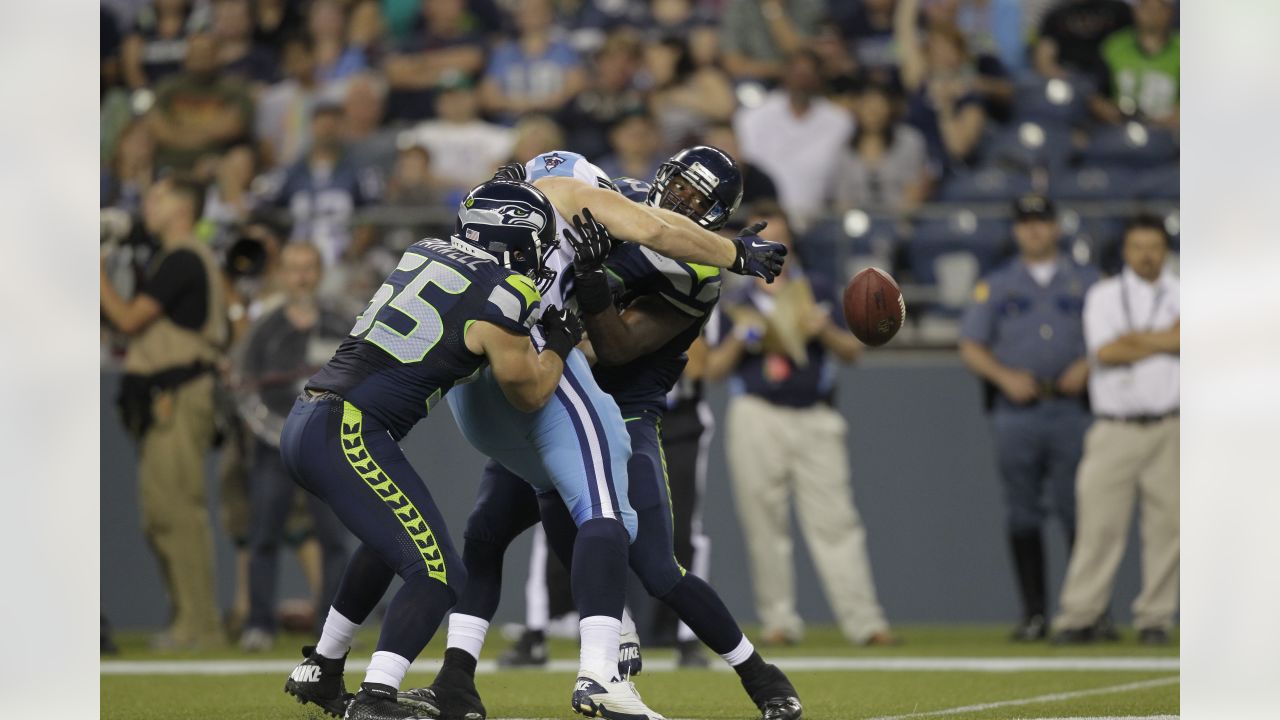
445	311
641	354
574	452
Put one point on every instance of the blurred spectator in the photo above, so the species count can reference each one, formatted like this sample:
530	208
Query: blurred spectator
757	36
274	20
537	72
884	168
156	47
1142	68
868	27
323	191
534	135
993	30
336	59
685	97
197	112
677	18
228	201
1131	327
945	101
177	328
1023	334
412	186
784	439
756	183
131	170
282	350
283	124
238	55
611	94
795	135
368	143
1072	33
838	64
637	151
444	41
366	31
109	42
464	149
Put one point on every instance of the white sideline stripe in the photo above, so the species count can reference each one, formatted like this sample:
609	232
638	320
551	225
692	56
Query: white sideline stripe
898	664
1051	697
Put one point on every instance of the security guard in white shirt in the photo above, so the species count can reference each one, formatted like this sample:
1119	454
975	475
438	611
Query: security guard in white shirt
1131	452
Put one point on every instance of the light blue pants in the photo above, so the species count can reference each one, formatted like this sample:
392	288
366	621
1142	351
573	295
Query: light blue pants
577	445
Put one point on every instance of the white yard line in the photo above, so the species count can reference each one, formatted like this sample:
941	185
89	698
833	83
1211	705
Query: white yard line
1051	697
889	664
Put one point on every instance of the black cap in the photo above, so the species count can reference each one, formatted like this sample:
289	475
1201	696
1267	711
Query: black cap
1033	207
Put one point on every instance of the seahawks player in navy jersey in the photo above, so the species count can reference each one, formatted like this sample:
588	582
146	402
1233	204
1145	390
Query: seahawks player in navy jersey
641	354
445	312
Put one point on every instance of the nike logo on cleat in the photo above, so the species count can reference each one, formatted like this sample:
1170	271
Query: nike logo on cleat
583	685
305	673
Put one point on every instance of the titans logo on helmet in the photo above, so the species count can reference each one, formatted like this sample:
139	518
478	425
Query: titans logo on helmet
552	161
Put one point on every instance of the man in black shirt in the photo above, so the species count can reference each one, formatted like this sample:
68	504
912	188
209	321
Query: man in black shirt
1072	33
177	327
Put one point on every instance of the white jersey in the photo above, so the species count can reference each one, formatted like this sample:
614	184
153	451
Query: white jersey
562	163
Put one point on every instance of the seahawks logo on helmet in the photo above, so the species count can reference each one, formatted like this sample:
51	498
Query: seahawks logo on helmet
508	213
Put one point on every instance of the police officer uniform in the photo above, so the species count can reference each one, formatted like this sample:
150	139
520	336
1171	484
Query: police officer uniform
1034	324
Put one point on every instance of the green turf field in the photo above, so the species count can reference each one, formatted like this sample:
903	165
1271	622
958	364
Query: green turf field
953	672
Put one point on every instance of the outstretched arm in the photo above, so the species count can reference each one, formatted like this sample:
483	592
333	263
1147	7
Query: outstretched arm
528	378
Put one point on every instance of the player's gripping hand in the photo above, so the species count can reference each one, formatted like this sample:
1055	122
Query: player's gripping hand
561	328
511	171
591	245
757	256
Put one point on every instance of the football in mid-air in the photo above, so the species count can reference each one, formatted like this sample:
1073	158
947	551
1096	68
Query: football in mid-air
873	306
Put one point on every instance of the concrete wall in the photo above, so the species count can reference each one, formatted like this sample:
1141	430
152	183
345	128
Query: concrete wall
924	481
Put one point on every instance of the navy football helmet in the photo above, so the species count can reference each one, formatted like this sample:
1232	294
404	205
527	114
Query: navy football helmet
702	183
632	189
509	222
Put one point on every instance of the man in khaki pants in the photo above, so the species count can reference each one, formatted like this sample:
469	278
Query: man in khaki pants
784	438
177	324
1131	452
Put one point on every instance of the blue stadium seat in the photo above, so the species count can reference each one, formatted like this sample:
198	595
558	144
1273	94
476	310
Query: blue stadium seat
987	238
985	184
1132	144
1092	183
1158	183
1054	101
1029	144
832	240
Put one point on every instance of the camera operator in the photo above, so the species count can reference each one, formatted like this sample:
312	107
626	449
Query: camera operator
177	328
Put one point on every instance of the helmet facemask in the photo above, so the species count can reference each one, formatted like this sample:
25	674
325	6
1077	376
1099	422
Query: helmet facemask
689	191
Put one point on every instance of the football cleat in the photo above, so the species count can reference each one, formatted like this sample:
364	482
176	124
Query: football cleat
773	694
530	650
595	697
378	702
445	703
630	663
318	680
782	709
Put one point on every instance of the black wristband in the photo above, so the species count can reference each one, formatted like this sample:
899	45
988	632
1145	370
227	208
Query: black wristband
560	344
593	293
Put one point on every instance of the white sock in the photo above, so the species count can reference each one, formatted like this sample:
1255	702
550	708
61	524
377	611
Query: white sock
466	632
599	649
683	633
628	623
537	600
335	639
740	654
386	668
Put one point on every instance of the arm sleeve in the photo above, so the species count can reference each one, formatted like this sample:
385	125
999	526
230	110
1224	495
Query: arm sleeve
179	273
979	321
513	303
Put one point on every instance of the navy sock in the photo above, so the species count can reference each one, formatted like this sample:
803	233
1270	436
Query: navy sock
364	583
483	560
599	573
559	527
705	613
413	616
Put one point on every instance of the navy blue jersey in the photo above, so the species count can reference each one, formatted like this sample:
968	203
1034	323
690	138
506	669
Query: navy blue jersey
692	289
406	349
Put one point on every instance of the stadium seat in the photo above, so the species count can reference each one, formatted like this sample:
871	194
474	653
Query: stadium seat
986	184
1054	101
987	239
1092	183
1132	144
1028	145
1158	183
854	239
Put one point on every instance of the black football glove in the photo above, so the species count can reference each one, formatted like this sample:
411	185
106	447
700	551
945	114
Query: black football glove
591	246
562	330
757	256
511	171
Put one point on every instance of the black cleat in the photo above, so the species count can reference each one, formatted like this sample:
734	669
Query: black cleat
445	702
1153	636
529	651
1031	629
773	694
318	680
378	702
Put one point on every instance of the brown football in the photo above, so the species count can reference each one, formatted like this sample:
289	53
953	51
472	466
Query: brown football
873	306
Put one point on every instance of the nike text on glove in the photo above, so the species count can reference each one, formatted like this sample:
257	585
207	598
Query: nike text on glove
562	330
511	171
757	256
